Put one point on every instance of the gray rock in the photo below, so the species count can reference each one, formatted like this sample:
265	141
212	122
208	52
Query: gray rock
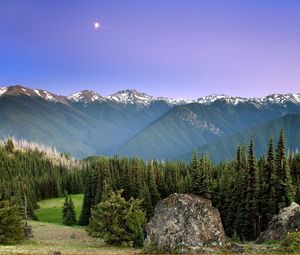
234	248
54	253
288	220
185	223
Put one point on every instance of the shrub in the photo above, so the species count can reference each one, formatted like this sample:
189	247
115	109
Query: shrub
291	243
118	221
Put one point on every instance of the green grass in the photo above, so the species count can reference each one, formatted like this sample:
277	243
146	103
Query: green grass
53	237
51	209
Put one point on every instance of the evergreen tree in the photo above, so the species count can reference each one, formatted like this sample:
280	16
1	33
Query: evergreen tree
155	196
9	145
116	220
234	197
69	215
146	204
252	193
284	191
87	201
268	188
11	226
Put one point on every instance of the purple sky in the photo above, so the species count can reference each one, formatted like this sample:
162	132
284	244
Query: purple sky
176	48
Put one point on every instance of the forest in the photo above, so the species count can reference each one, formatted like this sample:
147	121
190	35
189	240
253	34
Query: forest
247	190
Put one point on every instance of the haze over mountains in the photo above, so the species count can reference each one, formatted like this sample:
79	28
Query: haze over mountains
135	124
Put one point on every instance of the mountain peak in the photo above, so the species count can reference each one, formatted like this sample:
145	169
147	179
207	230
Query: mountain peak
228	99
18	90
131	96
86	96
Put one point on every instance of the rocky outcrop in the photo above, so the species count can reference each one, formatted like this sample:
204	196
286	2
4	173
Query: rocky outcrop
288	220
186	223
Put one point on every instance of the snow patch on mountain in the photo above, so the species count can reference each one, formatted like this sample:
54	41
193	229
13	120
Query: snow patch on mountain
3	90
37	92
272	99
228	99
86	96
131	97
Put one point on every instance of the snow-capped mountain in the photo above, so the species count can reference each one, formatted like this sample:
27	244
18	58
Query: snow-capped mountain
270	99
228	99
131	96
20	90
134	123
86	96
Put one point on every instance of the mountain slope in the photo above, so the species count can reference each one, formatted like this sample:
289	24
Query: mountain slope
130	122
187	126
225	148
82	127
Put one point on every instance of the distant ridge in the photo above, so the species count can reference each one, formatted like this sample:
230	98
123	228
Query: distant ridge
133	123
132	96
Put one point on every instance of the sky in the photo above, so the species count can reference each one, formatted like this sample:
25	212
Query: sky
173	48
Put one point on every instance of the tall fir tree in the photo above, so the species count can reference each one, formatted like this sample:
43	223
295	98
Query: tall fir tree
285	191
268	198
151	181
252	212
69	215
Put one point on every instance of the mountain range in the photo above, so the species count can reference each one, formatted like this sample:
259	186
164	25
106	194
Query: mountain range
136	124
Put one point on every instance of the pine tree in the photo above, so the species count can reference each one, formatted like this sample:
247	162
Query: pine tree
252	192
155	196
195	173
284	192
88	201
9	145
11	226
146	204
268	188
116	220
235	197
69	215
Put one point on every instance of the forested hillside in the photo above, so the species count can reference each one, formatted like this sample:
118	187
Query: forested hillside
30	173
224	148
248	191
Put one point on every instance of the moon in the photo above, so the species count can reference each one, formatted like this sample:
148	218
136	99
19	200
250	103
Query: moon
96	25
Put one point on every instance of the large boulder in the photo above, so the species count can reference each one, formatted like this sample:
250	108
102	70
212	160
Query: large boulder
186	223
288	220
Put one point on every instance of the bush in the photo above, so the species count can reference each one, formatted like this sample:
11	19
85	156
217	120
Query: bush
118	221
291	243
11	226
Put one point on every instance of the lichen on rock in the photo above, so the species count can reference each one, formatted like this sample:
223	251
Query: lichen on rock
186	223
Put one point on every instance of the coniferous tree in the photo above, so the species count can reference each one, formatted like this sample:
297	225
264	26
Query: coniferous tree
195	173
11	226
116	220
69	215
9	145
146	202
155	196
284	191
87	201
268	188
252	194
235	195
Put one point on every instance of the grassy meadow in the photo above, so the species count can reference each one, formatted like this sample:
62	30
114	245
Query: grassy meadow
51	209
